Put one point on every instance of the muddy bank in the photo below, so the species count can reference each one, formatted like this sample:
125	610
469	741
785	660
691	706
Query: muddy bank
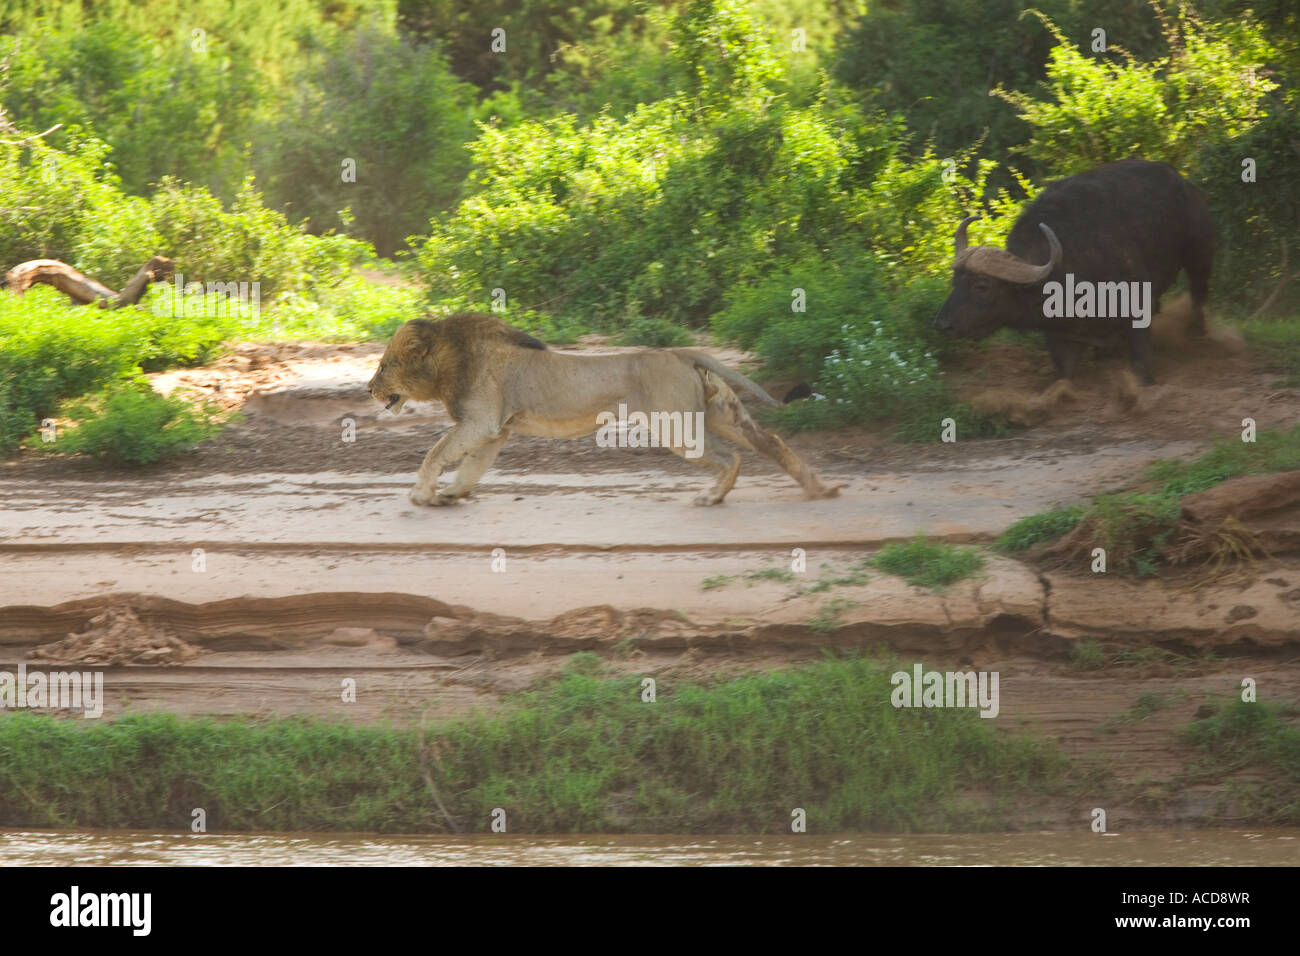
1009	604
281	562
1164	656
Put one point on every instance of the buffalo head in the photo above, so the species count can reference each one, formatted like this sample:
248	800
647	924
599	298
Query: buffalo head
989	286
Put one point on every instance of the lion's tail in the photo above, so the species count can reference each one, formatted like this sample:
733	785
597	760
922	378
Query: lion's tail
732	376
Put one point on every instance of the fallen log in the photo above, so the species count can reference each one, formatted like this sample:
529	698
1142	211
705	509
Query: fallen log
83	289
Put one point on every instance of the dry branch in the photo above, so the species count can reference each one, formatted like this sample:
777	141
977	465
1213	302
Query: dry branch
83	289
27	139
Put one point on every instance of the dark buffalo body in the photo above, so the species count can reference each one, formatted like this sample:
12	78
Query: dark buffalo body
1133	222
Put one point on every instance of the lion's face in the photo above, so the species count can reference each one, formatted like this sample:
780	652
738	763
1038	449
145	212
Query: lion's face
403	373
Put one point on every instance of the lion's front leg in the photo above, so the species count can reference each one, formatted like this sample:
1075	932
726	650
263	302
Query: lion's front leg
454	445
472	467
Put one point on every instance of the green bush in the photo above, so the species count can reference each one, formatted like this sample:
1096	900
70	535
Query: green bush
1272	450
671	210
70	206
390	106
934	61
721	203
165	110
847	301
51	351
133	424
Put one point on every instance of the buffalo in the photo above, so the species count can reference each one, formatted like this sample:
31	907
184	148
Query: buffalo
1087	262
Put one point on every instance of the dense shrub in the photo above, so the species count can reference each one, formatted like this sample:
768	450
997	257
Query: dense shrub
70	206
935	61
133	424
166	109
50	351
725	203
390	107
639	169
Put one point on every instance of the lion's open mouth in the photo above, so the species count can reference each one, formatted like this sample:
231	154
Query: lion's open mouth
393	400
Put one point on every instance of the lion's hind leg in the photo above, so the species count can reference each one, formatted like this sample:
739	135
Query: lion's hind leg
727	417
708	454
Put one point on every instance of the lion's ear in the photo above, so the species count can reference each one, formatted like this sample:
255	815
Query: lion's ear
414	344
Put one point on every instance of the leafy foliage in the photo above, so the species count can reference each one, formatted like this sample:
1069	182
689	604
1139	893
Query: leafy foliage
392	109
1209	106
133	424
70	206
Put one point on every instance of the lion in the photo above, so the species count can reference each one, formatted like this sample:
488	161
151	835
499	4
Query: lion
496	380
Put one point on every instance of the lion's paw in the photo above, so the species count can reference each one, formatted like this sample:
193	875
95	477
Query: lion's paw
707	498
425	498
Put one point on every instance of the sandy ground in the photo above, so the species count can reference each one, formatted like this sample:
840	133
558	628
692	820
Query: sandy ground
289	558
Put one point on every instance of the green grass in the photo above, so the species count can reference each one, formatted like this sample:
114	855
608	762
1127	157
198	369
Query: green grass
1130	527
1133	526
778	574
1273	450
1034	529
1260	736
830	615
1237	734
1148	705
151	771
579	752
783	575
1087	655
717	581
583	753
928	564
856	576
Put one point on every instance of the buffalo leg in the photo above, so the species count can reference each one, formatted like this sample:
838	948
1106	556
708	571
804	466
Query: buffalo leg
1065	355
1139	350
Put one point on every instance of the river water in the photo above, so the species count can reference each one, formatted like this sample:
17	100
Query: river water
1145	848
